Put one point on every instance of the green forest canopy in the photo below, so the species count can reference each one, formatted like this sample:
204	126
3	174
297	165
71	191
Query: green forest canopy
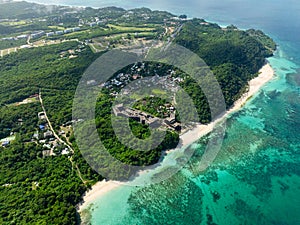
37	190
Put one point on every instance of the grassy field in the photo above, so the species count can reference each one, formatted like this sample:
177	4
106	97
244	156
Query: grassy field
56	27
77	33
132	34
96	48
158	92
131	29
145	34
14	23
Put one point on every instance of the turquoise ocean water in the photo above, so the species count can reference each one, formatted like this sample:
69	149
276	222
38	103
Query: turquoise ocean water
256	176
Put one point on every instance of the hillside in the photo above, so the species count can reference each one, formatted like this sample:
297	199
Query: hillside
42	172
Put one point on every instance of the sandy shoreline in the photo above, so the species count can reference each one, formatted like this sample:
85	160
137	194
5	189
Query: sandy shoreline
97	190
266	73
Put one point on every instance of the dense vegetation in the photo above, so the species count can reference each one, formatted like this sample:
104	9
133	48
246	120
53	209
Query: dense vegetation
10	44
234	56
37	190
153	105
231	45
59	188
135	157
22	10
45	190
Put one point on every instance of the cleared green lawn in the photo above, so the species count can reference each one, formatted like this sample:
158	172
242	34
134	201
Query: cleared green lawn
158	92
14	23
131	29
56	27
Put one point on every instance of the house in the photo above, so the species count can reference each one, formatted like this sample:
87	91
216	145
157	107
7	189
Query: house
8	39
67	31
47	146
76	29
204	23
20	122
73	56
42	141
170	120
93	24
81	22
55	145
24	36
36	136
60	32
48	134
118	83
65	151
41	115
5	143
37	34
25	46
50	34
42	127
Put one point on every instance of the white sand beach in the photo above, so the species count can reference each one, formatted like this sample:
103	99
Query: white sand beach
189	137
97	190
266	73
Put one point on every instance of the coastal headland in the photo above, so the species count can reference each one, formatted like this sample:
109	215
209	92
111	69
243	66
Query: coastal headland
266	74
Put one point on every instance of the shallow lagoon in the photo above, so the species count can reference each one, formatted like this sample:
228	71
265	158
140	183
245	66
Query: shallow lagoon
256	177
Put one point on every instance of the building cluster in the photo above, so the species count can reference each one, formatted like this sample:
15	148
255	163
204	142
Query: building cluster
33	35
168	82
62	32
19	37
145	118
6	141
39	34
45	137
165	110
95	22
130	15
72	53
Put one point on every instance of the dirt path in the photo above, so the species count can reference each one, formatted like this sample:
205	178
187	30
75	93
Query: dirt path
74	165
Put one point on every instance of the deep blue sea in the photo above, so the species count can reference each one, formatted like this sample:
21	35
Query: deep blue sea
256	176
